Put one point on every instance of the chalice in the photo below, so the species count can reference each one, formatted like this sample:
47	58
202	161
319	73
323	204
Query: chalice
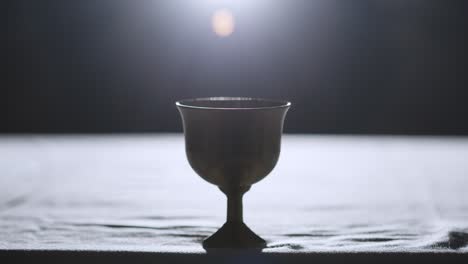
233	142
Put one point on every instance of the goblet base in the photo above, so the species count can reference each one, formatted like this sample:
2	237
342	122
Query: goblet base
234	235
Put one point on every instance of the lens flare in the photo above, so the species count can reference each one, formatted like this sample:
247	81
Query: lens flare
223	23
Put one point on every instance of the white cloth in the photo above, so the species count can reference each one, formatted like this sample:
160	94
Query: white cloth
327	194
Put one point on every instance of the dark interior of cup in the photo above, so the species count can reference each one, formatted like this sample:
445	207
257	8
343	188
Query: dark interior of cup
232	103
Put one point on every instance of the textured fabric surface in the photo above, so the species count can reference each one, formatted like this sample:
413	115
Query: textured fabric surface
327	194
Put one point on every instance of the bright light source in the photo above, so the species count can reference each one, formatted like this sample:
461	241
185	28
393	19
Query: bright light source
223	22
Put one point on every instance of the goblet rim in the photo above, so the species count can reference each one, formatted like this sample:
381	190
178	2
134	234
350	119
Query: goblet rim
185	103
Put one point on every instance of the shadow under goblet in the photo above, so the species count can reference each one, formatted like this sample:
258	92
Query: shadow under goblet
233	143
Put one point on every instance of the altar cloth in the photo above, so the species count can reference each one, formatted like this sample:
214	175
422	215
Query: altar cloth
327	194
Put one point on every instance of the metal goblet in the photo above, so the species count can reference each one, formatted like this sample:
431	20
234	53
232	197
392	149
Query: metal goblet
233	143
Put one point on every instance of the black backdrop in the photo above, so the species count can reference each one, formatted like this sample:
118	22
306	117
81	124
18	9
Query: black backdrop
361	66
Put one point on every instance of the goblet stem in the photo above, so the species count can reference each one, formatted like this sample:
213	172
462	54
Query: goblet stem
234	233
234	204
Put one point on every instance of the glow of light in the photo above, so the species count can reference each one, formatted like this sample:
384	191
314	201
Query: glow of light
223	23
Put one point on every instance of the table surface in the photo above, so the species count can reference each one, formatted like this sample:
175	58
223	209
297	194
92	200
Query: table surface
326	194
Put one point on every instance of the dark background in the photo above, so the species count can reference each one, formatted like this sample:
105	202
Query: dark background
361	66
